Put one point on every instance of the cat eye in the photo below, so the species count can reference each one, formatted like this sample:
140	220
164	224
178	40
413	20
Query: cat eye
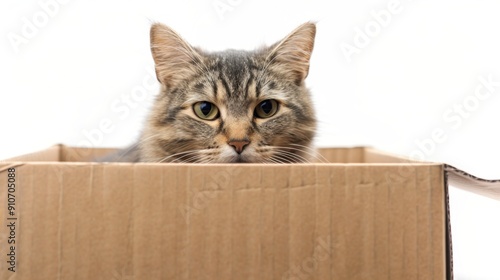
206	110
266	109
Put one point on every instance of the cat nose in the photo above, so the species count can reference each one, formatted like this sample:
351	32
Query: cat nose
238	145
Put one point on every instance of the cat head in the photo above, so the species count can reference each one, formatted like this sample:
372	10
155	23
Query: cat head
230	106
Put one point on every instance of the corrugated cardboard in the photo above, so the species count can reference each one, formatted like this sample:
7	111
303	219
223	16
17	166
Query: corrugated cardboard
364	215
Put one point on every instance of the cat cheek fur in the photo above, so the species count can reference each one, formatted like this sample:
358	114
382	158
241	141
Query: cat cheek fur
235	81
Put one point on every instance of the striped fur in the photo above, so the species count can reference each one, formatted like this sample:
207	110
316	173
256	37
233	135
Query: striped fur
236	82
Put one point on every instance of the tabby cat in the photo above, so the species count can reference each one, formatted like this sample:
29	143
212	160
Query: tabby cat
230	106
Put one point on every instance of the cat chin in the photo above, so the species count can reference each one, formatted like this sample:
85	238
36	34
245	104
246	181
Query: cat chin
236	158
228	155
244	159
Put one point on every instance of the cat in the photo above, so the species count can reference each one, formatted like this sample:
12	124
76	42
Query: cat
231	106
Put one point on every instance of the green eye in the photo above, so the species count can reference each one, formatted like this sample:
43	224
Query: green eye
266	109
206	110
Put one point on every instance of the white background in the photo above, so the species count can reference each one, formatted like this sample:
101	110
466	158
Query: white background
68	67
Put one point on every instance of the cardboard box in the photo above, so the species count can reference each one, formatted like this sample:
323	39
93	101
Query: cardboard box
363	215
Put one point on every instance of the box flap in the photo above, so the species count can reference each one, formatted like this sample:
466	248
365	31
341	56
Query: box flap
463	180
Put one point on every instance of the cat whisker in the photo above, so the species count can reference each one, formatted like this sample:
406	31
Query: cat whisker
273	160
281	156
293	157
290	155
313	153
184	149
282	159
206	156
191	156
177	156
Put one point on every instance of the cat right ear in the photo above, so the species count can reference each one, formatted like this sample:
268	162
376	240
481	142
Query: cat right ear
175	60
291	55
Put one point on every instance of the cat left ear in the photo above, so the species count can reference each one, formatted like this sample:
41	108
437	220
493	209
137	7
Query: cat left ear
175	60
292	54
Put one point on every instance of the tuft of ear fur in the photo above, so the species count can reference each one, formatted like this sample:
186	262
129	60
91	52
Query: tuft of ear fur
291	55
175	60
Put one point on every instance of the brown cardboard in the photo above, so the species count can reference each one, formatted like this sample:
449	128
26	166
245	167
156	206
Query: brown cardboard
364	215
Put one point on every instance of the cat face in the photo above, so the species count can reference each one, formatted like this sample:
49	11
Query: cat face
230	106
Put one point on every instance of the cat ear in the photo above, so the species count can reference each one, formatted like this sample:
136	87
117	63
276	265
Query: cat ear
292	54
175	60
